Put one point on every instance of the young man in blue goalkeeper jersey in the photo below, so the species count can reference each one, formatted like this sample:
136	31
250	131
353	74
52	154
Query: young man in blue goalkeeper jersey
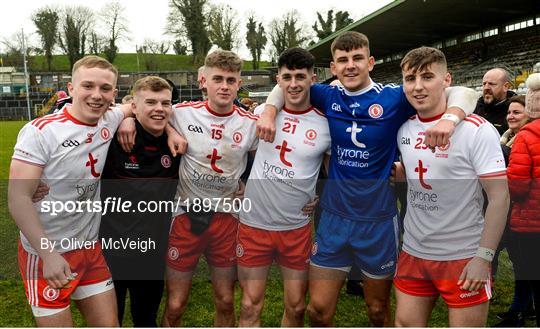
359	222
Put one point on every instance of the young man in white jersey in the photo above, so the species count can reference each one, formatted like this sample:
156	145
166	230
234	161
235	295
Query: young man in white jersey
447	245
219	136
282	180
359	223
59	256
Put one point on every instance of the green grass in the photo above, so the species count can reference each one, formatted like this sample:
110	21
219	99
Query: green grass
128	63
15	312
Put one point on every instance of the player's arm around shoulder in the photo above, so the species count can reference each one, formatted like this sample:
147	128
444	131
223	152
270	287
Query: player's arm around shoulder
266	125
461	103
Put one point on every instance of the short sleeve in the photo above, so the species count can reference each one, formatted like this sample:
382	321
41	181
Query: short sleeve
320	94
31	146
259	109
113	117
486	154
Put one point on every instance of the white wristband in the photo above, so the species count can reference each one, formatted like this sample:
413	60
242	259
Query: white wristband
452	117
485	253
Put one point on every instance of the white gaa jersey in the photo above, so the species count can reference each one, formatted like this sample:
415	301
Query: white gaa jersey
444	211
285	172
72	155
217	152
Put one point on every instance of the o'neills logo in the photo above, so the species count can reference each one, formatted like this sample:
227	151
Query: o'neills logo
50	294
314	248
239	250
469	294
173	253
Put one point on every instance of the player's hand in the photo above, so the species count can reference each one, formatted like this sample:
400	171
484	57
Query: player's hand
239	194
41	192
439	135
397	174
56	271
475	274
309	208
266	126
177	143
126	134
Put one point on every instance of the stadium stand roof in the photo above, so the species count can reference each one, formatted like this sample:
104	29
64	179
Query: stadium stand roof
405	24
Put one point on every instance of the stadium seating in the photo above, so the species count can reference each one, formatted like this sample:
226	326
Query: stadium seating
516	51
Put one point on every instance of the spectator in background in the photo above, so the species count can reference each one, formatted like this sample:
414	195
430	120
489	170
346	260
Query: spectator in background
200	75
128	99
493	105
522	301
524	182
246	102
175	98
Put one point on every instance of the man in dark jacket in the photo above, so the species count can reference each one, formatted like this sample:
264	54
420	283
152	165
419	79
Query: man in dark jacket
493	105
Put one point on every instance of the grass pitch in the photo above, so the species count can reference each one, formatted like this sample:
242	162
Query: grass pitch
351	312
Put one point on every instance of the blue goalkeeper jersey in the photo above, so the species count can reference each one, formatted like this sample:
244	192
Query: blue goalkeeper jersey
363	127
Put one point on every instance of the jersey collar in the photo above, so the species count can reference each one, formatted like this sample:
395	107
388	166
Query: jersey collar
361	91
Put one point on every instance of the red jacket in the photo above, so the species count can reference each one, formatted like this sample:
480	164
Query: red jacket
524	179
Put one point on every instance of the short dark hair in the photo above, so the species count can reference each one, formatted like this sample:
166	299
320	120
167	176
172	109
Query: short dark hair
420	58
517	99
296	58
348	41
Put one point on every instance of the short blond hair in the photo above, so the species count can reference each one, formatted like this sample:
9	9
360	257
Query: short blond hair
92	61
225	60
151	82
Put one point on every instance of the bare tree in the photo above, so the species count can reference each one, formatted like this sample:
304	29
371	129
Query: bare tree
223	26
96	44
76	28
14	50
149	51
256	40
46	21
187	18
287	32
116	24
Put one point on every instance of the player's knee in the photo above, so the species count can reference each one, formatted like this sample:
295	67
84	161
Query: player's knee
401	323
251	308
296	309
317	315
175	308
377	313
224	303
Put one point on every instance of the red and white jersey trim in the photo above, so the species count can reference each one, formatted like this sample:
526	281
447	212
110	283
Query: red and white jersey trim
475	120
32	282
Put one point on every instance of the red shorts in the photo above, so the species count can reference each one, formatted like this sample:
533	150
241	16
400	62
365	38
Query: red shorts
93	277
426	278
257	247
217	243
